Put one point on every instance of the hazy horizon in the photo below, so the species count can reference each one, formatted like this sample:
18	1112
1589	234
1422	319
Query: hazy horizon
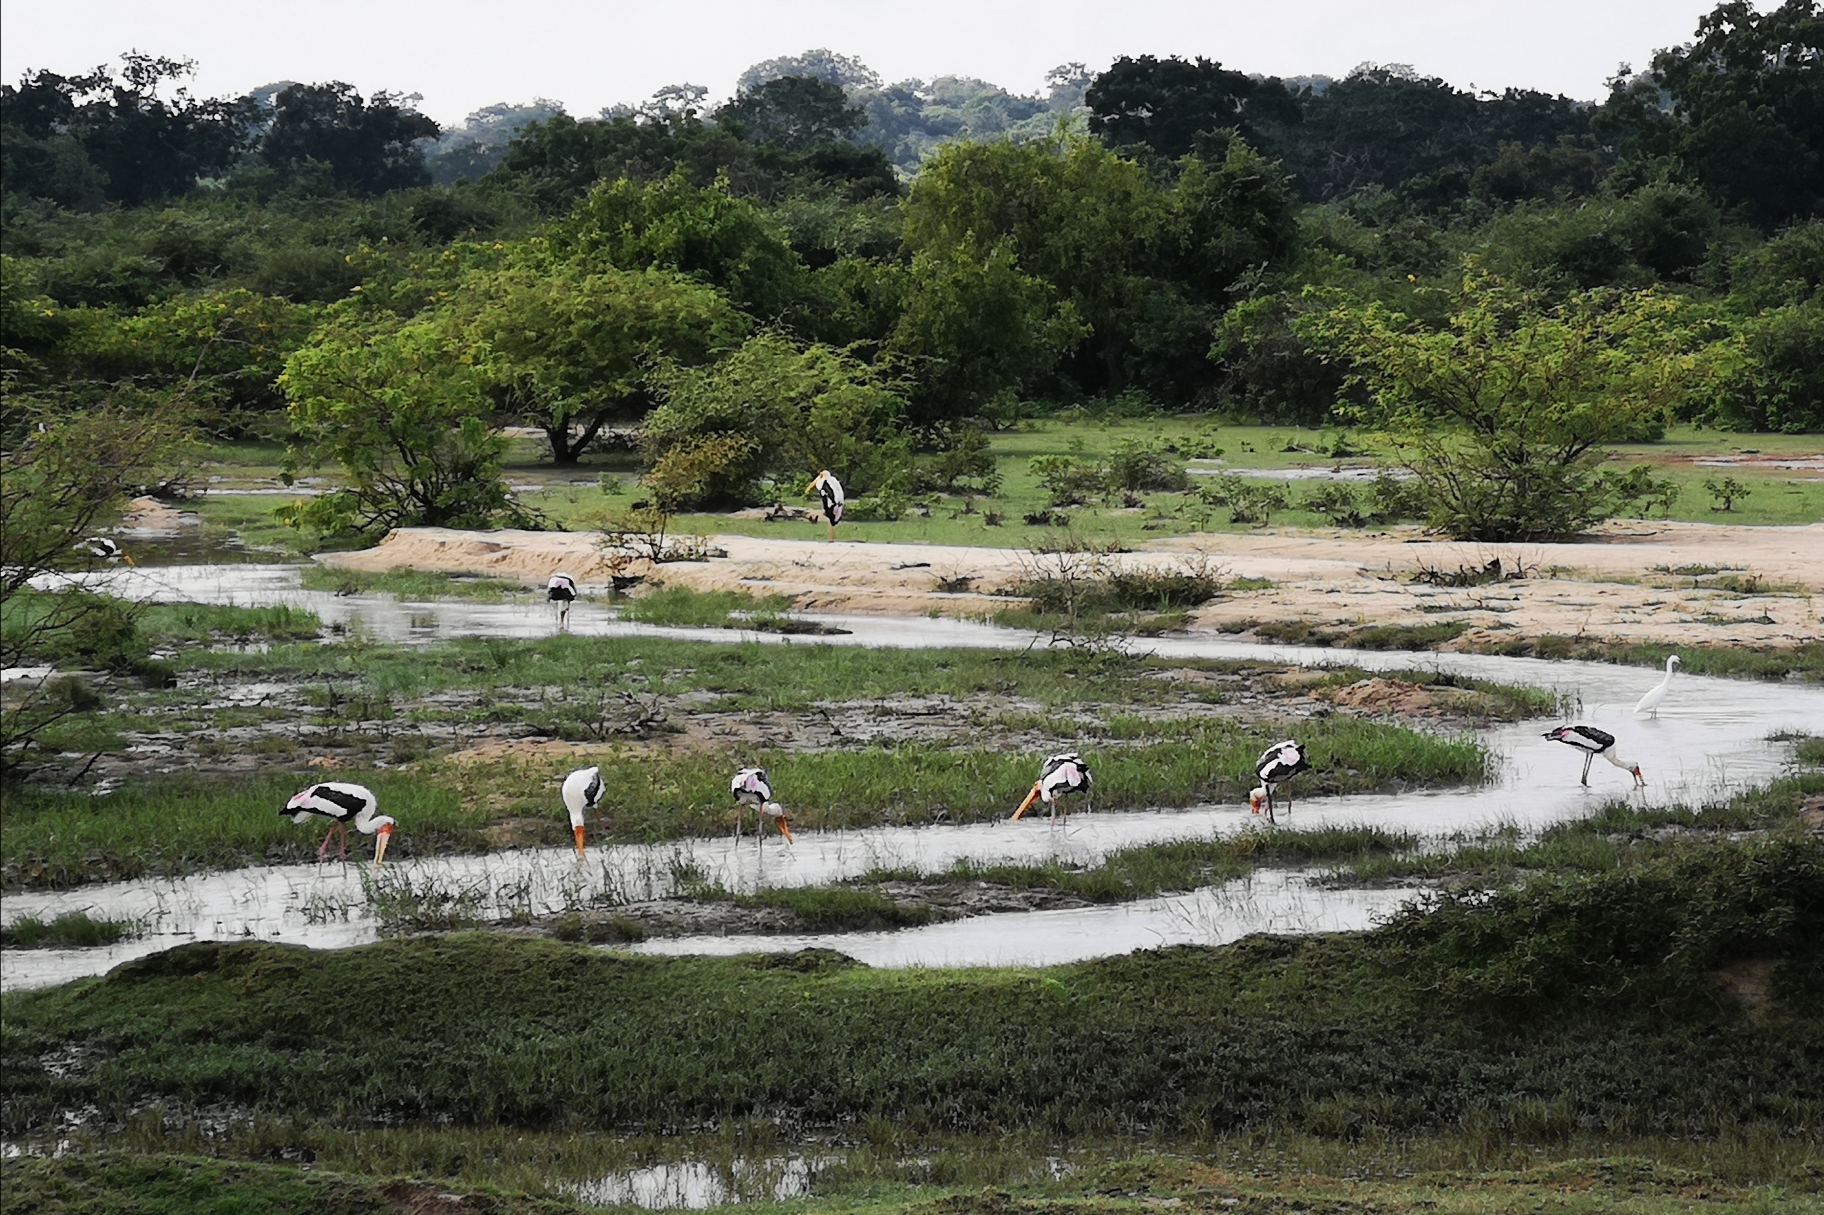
462	56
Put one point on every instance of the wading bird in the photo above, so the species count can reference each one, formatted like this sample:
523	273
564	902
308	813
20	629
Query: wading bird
583	791
104	548
751	788
1060	775
1593	742
342	804
561	590
1650	702
1278	764
830	490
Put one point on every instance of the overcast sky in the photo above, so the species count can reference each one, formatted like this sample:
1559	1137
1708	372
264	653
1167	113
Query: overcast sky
462	55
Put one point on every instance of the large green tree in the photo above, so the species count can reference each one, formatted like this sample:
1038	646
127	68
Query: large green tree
1504	414
570	349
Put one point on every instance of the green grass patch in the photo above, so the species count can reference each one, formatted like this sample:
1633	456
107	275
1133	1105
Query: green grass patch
409	584
188	624
841	909
71	930
174	825
680	605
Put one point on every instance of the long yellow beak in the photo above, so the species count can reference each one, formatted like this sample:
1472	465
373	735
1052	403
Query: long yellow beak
785	829
386	833
578	831
811	488
129	560
1027	804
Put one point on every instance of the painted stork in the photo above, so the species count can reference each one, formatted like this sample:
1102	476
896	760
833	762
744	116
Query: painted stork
829	489
561	590
342	804
104	548
1650	702
1593	742
1060	775
752	788
583	791
1277	765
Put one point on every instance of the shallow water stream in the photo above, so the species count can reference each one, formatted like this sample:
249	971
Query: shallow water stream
1711	738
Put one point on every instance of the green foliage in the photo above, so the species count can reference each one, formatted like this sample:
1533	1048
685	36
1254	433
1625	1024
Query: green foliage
1725	492
398	407
570	349
71	930
1248	501
1503	416
771	411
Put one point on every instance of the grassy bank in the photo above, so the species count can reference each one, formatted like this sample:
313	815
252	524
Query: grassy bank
1588	1001
176	824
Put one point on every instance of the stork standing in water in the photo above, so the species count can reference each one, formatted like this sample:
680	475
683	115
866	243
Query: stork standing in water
1278	764
752	788
1650	702
342	804
583	791
1059	776
104	548
561	590
1593	742
829	489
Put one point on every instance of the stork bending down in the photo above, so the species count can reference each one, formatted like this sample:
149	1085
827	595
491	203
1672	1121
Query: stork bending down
583	791
1278	764
342	804
752	788
1059	776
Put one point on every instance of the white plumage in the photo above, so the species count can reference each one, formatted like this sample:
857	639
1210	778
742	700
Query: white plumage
1278	764
343	804
1593	742
104	548
1060	775
829	489
583	791
561	590
1650	702
752	788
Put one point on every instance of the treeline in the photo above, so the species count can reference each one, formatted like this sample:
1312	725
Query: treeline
1168	234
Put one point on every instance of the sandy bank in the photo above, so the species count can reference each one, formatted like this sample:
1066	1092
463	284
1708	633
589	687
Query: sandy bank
1628	581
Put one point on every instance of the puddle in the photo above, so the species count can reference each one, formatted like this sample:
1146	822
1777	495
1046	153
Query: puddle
693	1185
1270	900
1710	738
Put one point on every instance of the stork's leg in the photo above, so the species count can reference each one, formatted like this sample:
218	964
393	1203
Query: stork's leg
343	828
1588	758
832	533
323	850
1270	818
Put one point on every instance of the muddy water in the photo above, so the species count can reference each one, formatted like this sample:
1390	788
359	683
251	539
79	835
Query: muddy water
1711	736
1270	900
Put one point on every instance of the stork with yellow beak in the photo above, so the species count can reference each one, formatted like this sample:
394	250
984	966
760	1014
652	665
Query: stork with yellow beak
583	791
752	788
827	487
342	804
1060	774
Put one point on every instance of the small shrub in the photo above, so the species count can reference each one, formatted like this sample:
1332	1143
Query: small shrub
1638	489
1134	465
1725	492
1248	501
1069	480
1337	503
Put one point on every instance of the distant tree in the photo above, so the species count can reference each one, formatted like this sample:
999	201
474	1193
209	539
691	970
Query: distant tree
706	233
971	330
795	113
1747	115
80	140
1166	103
844	71
401	408
570	350
771	410
1503	415
368	147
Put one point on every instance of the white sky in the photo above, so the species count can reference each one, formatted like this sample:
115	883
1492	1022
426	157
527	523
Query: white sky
589	53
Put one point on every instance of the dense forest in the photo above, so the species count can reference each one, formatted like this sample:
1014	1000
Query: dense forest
831	268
